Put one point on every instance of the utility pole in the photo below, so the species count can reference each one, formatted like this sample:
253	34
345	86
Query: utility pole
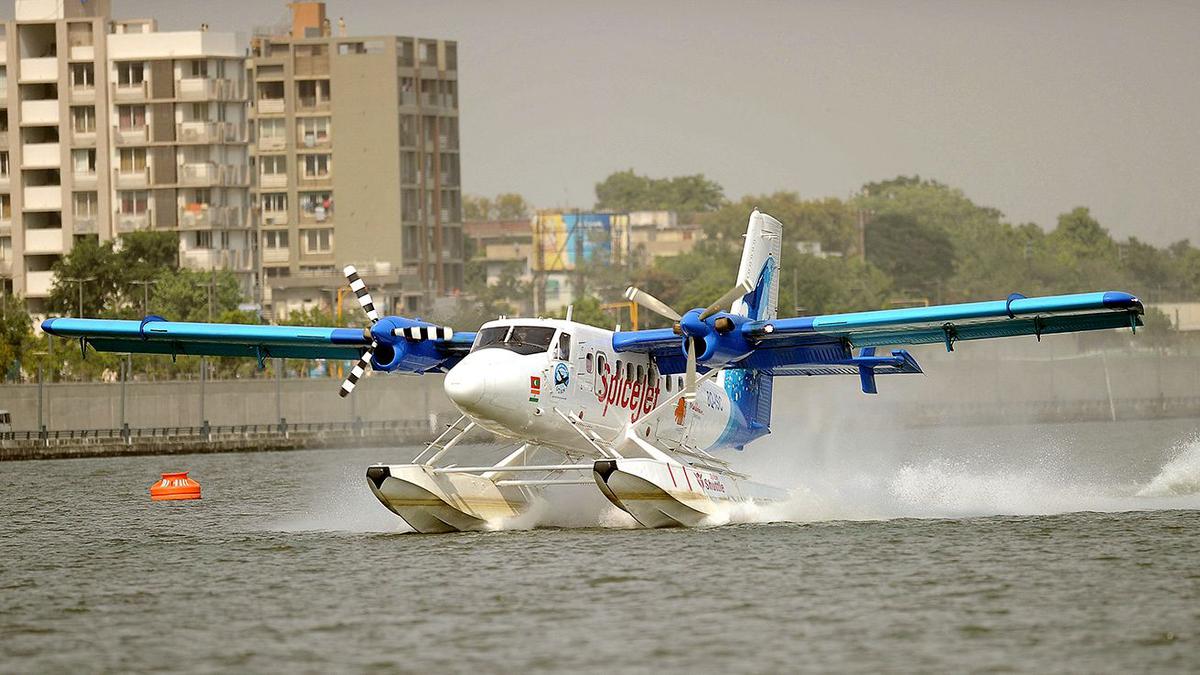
145	284
212	282
81	281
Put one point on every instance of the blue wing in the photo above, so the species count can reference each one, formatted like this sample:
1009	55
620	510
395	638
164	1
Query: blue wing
824	344
156	336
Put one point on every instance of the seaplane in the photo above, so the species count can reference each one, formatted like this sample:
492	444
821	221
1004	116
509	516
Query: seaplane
654	419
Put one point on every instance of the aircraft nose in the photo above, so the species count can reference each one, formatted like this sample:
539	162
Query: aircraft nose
463	390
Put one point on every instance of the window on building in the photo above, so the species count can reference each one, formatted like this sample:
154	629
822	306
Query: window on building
131	116
3	164
132	160
133	201
274	202
6	248
131	74
202	239
275	239
3	81
272	129
83	120
271	165
85	204
198	68
318	241
312	92
313	130
84	160
317	166
316	205
201	196
275	272
200	111
225	239
83	76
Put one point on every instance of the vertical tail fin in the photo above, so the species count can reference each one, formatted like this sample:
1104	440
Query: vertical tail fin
760	268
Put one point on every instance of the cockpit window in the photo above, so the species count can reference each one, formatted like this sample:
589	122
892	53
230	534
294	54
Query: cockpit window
519	339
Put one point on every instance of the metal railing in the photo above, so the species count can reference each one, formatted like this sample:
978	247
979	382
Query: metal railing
402	429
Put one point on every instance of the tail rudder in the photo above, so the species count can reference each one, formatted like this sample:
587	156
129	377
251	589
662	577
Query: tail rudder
760	268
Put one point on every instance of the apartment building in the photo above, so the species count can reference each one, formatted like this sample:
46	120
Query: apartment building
50	115
108	127
179	143
356	161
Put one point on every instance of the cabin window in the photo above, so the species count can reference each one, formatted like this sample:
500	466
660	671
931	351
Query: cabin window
653	373
668	384
600	363
629	371
588	360
620	372
563	351
520	339
640	374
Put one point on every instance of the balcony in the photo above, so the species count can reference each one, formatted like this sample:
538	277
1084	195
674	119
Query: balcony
308	66
275	255
274	217
209	132
83	94
85	224
83	53
41	156
39	113
270	105
43	197
126	179
129	222
270	143
84	138
208	173
272	180
311	104
137	91
313	139
201	216
44	240
319	180
208	89
39	70
4	181
38	284
84	179
131	135
319	215
238	260
5	267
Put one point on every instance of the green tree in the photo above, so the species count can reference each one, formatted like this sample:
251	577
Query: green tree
90	260
628	191
505	206
16	332
918	256
184	295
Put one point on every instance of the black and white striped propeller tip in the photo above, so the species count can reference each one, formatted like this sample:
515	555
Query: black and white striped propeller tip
360	291
424	332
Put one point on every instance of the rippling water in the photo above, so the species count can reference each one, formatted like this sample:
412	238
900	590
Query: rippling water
1064	548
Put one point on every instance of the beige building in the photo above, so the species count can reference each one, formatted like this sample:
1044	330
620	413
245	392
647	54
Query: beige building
356	161
108	127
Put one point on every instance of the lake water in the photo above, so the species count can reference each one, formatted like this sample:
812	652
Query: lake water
1025	548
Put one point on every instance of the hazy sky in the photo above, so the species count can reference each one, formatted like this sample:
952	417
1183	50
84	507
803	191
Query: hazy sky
1031	107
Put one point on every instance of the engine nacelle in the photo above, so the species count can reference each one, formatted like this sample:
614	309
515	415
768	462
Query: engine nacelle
394	352
718	339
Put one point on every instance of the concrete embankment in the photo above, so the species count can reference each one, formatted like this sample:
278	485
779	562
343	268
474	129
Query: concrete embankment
165	443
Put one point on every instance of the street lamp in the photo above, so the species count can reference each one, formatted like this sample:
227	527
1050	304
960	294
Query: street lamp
81	282
145	284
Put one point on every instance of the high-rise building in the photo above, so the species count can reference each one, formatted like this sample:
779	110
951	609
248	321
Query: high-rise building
356	161
109	127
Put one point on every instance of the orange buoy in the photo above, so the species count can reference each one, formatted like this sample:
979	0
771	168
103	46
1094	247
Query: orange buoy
175	486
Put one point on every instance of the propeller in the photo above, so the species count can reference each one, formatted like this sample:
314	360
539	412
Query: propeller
391	352
691	328
364	300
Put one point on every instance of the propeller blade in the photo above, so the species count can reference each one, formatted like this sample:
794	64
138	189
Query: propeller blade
689	375
727	299
357	372
651	303
424	332
360	291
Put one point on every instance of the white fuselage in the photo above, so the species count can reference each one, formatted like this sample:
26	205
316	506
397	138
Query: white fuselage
523	376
